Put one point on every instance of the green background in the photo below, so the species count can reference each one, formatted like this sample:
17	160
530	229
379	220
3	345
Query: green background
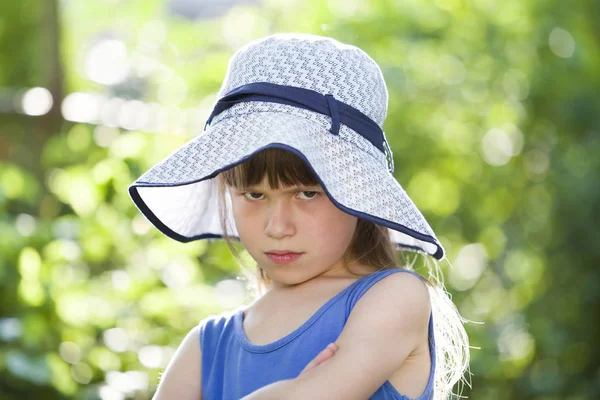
493	119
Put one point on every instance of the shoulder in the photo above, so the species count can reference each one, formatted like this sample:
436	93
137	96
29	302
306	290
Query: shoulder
211	328
400	286
399	289
180	378
398	303
191	343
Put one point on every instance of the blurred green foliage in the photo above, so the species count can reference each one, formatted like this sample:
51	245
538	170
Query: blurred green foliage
493	120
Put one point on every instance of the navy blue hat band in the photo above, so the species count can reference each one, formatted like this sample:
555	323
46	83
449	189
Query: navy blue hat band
339	112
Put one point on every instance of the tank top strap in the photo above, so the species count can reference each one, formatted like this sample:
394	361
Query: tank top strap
368	281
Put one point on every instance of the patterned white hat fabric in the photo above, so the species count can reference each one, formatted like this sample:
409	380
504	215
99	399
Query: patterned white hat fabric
179	195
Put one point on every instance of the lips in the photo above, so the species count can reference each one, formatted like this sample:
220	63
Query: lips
284	258
281	252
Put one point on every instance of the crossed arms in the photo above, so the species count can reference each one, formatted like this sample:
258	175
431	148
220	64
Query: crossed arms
384	328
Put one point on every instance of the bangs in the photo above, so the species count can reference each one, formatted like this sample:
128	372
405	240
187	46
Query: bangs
282	168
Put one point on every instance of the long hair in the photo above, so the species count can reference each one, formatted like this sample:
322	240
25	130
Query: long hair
371	245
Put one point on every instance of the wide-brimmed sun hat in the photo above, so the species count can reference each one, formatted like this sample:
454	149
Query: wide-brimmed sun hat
323	100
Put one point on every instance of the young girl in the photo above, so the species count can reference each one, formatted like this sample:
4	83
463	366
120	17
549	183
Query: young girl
295	166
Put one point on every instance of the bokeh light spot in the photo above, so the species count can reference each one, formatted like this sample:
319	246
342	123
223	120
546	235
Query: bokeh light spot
37	101
82	373
70	352
230	293
468	266
561	43
25	224
106	62
116	339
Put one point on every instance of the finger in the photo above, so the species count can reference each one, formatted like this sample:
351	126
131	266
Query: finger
328	352
316	361
322	356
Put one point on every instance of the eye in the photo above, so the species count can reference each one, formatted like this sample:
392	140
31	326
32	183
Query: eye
311	194
250	195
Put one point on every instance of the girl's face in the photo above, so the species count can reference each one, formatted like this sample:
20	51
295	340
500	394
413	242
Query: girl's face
298	219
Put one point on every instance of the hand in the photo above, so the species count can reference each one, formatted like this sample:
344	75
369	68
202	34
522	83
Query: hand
322	357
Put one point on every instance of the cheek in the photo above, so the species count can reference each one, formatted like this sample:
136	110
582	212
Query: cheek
243	216
334	227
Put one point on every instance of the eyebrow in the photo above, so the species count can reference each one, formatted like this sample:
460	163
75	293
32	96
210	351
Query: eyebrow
291	190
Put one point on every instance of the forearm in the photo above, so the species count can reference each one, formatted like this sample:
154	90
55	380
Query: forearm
281	390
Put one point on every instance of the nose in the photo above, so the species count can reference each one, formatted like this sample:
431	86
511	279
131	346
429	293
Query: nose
280	220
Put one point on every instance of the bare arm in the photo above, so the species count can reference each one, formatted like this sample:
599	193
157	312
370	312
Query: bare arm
370	349
182	378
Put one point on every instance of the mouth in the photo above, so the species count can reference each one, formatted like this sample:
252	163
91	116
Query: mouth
283	258
281	252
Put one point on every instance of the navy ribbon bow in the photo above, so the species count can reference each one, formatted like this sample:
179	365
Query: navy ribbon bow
339	111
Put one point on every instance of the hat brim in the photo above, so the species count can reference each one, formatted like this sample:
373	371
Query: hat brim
179	195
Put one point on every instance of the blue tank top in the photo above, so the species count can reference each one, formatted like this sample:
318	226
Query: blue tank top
233	367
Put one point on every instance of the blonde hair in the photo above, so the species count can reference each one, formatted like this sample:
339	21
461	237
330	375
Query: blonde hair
371	245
